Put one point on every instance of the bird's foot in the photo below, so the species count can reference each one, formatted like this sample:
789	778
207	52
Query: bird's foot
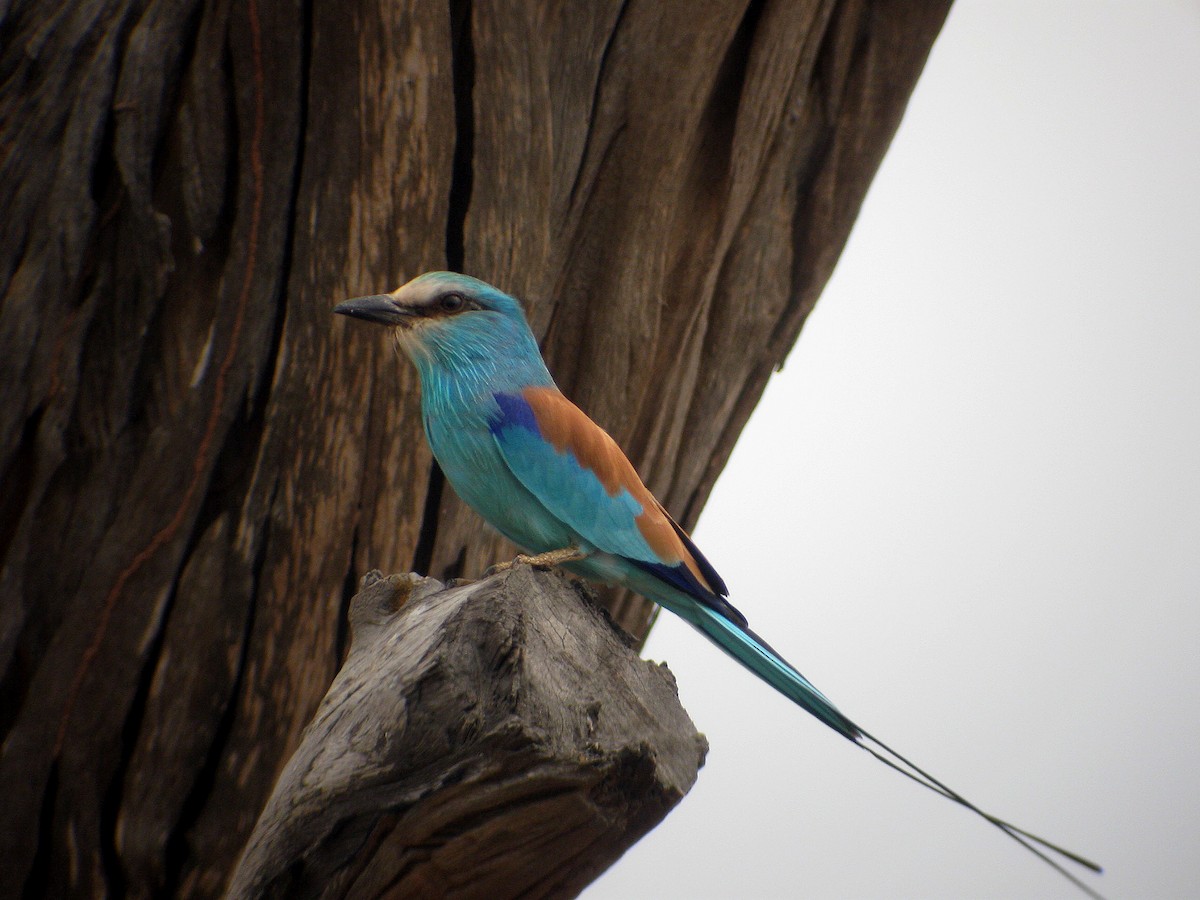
546	560
553	557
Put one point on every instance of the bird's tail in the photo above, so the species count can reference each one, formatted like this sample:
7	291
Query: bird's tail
757	655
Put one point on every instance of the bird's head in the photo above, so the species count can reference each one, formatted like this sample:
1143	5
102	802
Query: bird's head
444	314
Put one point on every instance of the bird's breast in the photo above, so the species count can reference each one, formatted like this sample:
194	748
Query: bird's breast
463	444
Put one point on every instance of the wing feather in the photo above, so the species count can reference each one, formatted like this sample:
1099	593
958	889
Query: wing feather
577	471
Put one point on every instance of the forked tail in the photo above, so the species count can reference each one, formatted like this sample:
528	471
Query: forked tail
757	655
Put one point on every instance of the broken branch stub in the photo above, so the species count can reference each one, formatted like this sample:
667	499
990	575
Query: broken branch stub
493	739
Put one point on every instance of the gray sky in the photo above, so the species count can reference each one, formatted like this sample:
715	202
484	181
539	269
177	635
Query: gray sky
969	509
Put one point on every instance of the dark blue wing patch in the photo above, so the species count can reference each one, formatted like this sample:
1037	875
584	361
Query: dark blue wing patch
705	567
680	576
515	412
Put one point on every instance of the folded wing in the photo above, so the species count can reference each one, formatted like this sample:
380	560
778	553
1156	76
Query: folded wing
581	476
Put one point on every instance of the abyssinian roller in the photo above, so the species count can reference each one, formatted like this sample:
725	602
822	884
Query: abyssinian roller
553	482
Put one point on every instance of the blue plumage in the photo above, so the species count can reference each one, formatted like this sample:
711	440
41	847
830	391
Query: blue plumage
544	475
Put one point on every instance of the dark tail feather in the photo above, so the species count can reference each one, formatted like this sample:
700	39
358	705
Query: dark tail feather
1028	840
757	655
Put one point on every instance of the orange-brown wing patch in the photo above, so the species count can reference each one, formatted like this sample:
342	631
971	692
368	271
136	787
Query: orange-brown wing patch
568	429
660	531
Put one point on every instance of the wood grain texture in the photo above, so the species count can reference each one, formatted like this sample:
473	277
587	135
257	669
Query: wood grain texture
706	184
496	739
197	460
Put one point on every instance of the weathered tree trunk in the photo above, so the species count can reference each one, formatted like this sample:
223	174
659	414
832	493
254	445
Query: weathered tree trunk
197	459
498	739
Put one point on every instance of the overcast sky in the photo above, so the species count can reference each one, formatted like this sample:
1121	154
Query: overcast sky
969	508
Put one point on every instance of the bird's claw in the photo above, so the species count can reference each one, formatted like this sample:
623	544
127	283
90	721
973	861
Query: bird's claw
546	560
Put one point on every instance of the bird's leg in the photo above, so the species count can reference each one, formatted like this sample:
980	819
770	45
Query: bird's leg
543	560
553	557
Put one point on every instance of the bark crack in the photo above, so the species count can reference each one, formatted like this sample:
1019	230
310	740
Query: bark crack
462	66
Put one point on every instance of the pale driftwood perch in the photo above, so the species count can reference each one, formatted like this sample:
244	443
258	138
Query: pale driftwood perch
496	739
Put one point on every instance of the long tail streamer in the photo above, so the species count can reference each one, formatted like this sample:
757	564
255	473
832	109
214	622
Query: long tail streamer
907	768
757	655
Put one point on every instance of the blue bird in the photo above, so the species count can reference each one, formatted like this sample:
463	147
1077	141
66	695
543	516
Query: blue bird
544	475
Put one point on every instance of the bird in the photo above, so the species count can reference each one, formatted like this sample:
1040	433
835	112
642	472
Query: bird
536	468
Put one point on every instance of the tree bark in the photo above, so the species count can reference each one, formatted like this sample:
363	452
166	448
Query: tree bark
197	460
497	739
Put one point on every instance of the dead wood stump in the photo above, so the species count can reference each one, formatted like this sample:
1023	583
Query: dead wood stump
493	739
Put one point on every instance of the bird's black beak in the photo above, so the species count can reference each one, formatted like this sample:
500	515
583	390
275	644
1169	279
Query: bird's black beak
380	308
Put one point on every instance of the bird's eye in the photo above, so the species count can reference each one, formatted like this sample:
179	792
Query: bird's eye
452	303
